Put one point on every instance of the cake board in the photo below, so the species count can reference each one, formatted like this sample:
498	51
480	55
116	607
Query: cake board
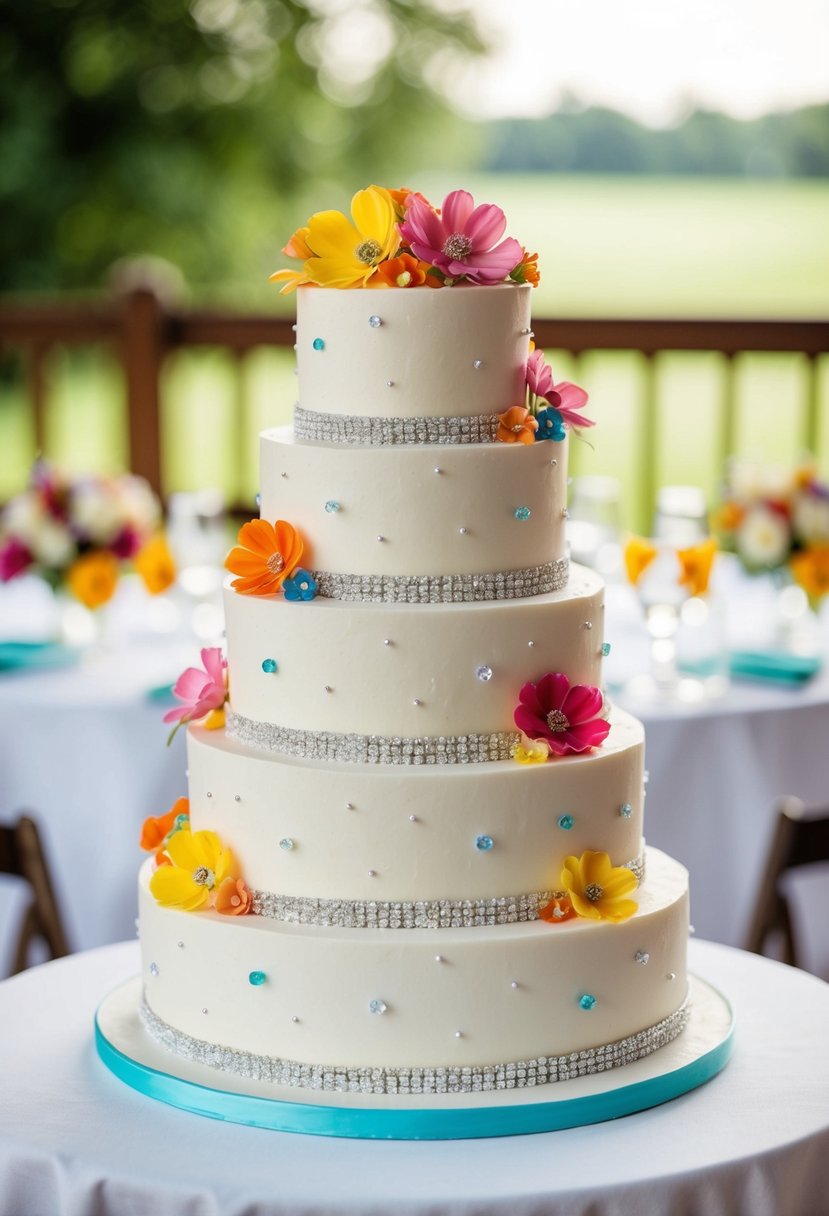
694	1057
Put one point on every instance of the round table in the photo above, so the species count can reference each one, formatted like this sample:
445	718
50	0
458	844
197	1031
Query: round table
754	1140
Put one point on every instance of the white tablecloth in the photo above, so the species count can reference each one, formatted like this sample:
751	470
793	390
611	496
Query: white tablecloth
75	1142
82	749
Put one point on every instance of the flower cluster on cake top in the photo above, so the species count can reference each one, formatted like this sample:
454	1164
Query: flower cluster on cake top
397	238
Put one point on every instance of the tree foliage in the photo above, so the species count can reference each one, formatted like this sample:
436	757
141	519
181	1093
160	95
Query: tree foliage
184	128
597	140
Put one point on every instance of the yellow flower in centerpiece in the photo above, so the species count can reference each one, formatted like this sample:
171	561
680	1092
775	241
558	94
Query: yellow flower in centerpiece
347	252
154	563
695	566
199	864
638	554
92	579
810	570
531	751
596	888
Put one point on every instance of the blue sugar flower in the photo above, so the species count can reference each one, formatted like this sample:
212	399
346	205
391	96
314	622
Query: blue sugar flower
300	586
550	425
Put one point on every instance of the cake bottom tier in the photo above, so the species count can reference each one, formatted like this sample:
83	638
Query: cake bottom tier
475	1008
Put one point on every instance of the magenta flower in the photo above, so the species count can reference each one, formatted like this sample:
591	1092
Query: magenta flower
564	715
127	543
14	559
201	691
461	241
567	398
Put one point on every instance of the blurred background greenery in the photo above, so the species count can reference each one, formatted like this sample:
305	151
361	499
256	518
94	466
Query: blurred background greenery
202	132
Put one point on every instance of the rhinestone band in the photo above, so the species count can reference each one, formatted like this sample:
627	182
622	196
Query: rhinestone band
371	749
410	914
443	588
452	1079
356	429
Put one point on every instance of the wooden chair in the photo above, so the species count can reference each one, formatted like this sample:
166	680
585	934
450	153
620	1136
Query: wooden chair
22	855
800	839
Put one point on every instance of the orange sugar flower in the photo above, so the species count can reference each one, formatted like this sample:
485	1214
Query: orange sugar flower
297	246
695	565
558	909
233	898
516	425
156	830
407	271
265	556
527	270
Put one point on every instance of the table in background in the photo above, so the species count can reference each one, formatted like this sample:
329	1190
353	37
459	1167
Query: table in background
754	1140
82	749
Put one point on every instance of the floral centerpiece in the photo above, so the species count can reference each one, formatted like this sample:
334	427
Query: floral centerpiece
81	532
777	521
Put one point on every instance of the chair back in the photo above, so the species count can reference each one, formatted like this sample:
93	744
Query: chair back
801	838
23	856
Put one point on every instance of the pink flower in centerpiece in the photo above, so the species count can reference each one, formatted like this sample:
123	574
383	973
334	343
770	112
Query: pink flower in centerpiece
566	398
461	240
201	691
564	715
14	559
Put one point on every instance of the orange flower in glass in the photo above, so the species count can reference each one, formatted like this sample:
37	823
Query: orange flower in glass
810	570
695	566
93	578
155	565
266	555
516	425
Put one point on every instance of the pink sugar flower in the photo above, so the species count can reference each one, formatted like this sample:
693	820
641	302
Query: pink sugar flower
14	559
565	397
462	240
201	691
564	715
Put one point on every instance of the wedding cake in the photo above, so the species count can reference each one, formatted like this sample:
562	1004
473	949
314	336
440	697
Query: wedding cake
412	859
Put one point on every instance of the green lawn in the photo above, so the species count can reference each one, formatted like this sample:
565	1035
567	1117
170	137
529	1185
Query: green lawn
608	247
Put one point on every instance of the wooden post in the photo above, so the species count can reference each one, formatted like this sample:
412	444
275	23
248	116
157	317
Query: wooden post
142	337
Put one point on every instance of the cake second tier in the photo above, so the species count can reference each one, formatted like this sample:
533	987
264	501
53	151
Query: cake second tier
356	672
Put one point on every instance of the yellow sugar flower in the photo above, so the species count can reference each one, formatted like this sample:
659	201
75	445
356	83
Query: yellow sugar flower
695	566
199	864
531	751
597	888
347	252
638	554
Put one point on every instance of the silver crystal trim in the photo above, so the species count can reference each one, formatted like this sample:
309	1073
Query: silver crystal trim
378	431
443	588
453	1078
410	914
371	749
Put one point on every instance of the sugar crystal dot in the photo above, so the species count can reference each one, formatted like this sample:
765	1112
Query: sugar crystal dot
587	1000
374	321
566	822
269	666
377	1006
332	506
522	513
318	344
153	968
642	956
484	843
477	364
257	978
626	810
483	673
605	649
286	843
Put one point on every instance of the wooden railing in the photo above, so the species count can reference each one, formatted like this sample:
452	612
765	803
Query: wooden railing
145	331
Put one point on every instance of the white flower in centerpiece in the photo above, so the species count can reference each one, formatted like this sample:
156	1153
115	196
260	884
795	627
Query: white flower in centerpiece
96	511
763	539
749	480
23	517
810	518
139	503
53	545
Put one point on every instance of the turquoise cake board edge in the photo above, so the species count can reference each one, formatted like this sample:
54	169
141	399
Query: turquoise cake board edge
693	1058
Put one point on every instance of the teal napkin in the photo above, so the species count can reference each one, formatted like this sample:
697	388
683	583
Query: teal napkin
35	656
778	666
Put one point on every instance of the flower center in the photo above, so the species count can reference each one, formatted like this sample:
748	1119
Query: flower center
368	252
204	877
557	721
518	428
593	891
276	563
457	246
404	279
